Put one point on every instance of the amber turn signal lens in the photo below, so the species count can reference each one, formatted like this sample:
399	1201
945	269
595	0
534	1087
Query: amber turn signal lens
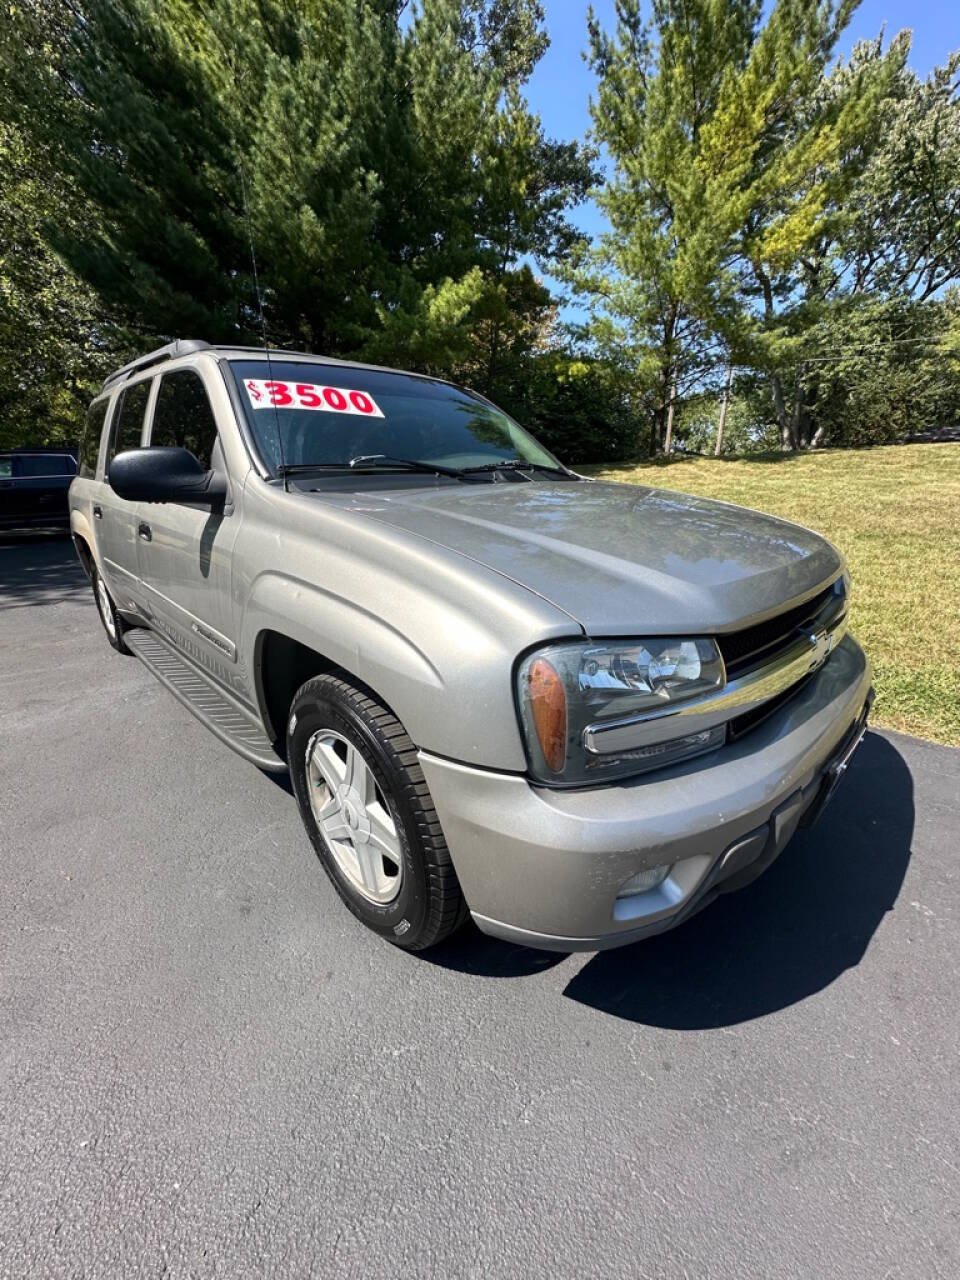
548	705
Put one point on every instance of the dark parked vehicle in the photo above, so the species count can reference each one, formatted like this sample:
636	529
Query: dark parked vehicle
33	487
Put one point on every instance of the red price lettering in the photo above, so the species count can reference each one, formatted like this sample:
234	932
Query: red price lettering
308	396
334	398
361	402
279	395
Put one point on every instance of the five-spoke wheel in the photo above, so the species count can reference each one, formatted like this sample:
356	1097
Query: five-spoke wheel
368	812
350	811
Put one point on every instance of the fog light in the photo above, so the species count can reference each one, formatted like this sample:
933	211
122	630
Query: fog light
644	881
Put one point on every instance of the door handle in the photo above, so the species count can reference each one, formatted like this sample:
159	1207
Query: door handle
143	529
97	511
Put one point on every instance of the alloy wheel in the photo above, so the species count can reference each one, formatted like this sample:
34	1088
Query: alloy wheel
351	811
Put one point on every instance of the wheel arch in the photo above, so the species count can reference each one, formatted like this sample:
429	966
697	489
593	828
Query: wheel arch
298	630
281	665
84	554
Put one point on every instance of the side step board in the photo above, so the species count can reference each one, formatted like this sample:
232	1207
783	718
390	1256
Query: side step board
214	708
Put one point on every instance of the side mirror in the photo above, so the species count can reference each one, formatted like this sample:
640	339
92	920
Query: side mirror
165	475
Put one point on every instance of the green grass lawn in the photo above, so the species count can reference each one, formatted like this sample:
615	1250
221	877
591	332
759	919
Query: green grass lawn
894	512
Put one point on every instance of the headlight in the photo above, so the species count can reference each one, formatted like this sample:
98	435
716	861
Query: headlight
564	688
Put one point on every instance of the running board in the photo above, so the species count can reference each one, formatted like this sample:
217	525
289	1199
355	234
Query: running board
198	693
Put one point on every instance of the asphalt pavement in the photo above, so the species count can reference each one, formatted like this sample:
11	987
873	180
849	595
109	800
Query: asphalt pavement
208	1068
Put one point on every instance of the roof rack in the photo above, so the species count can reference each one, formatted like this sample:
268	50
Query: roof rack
282	353
182	347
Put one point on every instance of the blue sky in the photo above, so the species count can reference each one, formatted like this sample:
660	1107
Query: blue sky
562	83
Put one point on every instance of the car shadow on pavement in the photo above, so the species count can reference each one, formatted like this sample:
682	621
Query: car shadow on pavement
472	952
786	936
39	567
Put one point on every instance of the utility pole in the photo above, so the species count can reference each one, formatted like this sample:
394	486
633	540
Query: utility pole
723	409
668	438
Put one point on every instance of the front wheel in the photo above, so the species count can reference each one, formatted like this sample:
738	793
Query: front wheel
113	624
369	815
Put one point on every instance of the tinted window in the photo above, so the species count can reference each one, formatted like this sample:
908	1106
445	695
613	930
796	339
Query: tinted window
302	413
6	468
45	464
183	417
128	418
90	445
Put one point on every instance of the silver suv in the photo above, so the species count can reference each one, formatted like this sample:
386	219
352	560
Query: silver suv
576	710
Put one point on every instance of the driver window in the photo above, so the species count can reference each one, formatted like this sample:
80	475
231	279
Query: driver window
128	418
182	416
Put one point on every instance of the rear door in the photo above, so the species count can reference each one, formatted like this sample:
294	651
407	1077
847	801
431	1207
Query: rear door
85	489
185	550
114	519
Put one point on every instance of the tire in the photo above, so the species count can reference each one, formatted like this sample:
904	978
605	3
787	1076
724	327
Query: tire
369	815
113	625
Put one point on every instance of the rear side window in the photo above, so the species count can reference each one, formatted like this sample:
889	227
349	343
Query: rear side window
128	418
37	465
90	445
183	417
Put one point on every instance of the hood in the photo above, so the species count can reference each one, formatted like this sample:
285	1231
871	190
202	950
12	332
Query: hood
621	559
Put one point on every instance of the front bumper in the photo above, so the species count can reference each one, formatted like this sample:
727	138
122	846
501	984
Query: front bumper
543	868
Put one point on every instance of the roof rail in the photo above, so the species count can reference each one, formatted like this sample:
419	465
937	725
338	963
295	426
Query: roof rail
182	347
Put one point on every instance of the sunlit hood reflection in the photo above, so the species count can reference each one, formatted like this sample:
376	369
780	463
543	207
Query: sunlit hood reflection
620	559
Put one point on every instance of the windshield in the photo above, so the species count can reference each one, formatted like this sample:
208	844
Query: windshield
303	413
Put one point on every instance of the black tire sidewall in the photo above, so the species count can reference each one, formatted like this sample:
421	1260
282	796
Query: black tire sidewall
117	641
403	919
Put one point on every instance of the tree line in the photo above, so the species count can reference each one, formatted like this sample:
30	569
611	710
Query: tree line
365	178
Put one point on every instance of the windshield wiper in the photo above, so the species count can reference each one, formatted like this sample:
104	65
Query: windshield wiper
370	461
411	464
518	464
375	461
304	468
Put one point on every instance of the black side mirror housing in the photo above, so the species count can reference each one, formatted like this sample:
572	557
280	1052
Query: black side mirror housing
165	475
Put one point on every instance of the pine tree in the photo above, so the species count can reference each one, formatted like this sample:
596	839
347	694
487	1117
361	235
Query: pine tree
387	177
56	338
56	341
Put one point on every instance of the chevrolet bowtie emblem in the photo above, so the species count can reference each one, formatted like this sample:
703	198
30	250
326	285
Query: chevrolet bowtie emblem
821	644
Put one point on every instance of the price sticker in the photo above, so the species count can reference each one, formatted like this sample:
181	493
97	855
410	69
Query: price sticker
270	394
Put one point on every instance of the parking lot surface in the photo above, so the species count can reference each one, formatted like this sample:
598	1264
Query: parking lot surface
208	1068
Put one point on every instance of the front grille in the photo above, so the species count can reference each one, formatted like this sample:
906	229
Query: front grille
758	644
742	724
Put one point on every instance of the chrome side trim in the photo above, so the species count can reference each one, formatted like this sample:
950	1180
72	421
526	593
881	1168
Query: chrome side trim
225	646
738	697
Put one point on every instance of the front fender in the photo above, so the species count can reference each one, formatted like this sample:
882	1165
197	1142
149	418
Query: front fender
433	633
455	699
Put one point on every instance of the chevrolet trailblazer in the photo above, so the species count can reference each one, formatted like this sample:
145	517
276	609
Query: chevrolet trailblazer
575	710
